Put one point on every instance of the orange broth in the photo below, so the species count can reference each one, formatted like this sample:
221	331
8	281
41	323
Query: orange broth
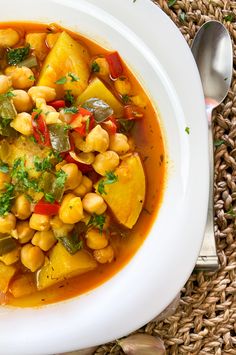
149	143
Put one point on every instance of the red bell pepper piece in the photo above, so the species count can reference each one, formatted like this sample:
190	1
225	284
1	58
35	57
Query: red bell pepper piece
84	168
40	129
132	112
46	208
83	127
57	104
115	65
110	125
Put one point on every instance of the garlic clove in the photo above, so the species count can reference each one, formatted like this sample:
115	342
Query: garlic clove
142	344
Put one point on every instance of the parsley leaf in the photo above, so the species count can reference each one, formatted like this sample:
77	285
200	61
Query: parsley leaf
6	199
61	177
182	16
187	130
71	109
17	55
171	3
111	178
21	176
49	198
61	81
4	168
8	94
97	221
218	142
125	98
73	77
69	97
32	78
42	165
230	17
95	67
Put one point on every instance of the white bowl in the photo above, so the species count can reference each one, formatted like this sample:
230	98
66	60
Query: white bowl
155	50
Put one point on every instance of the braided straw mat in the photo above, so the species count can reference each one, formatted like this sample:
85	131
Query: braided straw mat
205	321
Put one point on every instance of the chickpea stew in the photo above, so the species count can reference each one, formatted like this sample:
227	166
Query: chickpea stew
82	164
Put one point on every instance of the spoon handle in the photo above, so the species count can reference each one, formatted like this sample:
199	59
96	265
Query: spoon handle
208	259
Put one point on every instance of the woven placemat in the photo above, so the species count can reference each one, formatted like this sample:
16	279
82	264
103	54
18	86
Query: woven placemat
205	321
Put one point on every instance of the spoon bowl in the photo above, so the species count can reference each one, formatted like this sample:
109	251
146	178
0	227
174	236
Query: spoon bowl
212	50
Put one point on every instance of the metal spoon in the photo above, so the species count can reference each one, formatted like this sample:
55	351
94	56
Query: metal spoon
212	50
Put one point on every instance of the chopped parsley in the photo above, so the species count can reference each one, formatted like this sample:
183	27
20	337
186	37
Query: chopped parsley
21	176
95	67
97	221
56	155
49	198
9	94
187	130
42	165
61	177
73	77
171	3
4	168
6	199
17	55
182	16
71	109
69	97
231	212
32	78
61	81
218	142
230	17
111	178
125	98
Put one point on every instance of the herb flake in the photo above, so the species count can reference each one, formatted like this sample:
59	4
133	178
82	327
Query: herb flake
111	178
17	55
95	67
61	81
187	130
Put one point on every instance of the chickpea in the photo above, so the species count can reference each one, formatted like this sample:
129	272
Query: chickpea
11	257
51	39
59	228
24	232
43	92
103	66
5	83
4	179
98	139
32	257
22	101
8	37
119	143
21	77
74	176
81	144
95	239
122	85
84	187
105	255
44	240
107	161
93	203
21	207
39	222
7	223
71	210
22	123
37	43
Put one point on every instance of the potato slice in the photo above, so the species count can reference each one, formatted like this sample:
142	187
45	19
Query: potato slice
6	274
126	196
63	265
67	56
97	89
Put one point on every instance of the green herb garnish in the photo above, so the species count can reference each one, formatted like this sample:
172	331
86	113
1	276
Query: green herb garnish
231	212
6	199
187	130
22	180
125	98
69	97
230	17
42	165
31	77
218	142
171	3
4	168
182	16
97	221
95	67
111	178
61	177
73	77
16	55
49	198
71	109
61	81
9	94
